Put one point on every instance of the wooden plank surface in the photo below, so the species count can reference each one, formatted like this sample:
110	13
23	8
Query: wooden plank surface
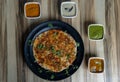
14	27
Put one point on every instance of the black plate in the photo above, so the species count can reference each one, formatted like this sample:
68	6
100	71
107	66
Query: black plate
41	72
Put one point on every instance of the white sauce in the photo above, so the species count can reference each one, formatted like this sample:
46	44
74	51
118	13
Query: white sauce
69	10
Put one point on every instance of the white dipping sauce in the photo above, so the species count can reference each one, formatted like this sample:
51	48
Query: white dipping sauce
69	9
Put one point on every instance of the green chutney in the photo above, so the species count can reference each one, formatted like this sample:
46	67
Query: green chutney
96	32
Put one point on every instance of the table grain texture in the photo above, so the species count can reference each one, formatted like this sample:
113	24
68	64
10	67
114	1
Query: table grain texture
14	27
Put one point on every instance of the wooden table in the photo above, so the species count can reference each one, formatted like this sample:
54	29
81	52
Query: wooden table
13	27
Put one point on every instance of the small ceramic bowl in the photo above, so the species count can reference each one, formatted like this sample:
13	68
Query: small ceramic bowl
62	10
93	58
89	32
28	3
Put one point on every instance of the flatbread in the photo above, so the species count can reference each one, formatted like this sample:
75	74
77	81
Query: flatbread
54	50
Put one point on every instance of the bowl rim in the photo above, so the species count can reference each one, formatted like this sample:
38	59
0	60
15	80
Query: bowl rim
96	58
103	32
27	3
69	2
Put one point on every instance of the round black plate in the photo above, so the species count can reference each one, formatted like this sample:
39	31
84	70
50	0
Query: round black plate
38	70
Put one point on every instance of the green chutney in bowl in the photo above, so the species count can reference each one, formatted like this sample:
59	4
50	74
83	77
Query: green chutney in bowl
96	32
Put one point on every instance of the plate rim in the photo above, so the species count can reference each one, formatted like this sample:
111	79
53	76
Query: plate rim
31	32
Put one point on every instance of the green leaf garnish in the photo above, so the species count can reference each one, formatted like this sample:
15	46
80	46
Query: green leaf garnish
50	25
75	67
66	72
52	49
40	46
55	34
58	52
52	77
35	61
68	56
29	42
77	44
40	71
65	31
48	71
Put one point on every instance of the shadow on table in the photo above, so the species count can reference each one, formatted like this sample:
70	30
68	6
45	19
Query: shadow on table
20	21
86	24
87	56
59	5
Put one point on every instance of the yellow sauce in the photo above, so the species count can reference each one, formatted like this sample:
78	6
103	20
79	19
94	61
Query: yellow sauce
96	65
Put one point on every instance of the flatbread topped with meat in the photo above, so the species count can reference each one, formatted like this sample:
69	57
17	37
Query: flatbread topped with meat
54	50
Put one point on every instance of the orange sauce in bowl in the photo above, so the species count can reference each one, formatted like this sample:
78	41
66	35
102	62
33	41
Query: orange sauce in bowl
32	10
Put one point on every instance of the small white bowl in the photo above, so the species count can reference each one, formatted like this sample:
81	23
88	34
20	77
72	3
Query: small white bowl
96	25
25	10
96	58
69	2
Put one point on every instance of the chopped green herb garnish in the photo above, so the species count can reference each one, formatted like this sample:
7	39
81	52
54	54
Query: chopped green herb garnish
58	52
68	56
77	44
41	46
52	77
40	71
48	71
55	34
65	31
66	72
52	49
50	25
75	67
35	61
29	42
